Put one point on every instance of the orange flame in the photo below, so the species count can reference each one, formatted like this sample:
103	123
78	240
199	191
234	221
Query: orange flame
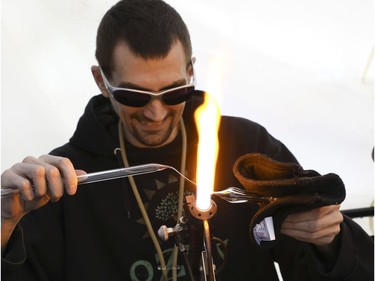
207	118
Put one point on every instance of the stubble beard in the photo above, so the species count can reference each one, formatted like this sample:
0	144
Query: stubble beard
153	139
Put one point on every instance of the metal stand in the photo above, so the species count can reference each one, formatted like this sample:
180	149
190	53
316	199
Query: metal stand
196	227
207	265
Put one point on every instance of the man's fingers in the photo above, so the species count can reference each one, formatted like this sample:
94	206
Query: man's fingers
318	226
27	178
320	237
36	177
65	167
313	214
314	220
45	178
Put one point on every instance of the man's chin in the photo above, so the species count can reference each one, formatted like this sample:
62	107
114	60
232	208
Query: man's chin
154	141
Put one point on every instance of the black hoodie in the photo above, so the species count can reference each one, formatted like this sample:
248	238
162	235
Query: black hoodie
99	233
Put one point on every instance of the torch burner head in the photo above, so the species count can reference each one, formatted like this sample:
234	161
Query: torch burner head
196	212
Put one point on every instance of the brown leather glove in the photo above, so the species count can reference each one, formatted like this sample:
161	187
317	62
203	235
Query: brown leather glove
291	189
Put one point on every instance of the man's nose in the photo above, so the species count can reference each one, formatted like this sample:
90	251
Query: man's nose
155	110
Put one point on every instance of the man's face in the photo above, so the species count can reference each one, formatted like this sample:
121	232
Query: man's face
155	124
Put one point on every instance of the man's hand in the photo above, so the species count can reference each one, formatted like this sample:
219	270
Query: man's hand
38	180
318	226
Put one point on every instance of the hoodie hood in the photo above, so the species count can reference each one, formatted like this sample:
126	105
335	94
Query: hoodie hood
96	130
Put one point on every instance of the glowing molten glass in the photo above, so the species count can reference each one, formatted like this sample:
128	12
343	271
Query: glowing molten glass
207	118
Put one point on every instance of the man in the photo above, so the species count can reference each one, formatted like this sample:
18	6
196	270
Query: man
52	230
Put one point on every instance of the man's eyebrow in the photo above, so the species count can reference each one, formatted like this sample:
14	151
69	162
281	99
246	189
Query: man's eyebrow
131	85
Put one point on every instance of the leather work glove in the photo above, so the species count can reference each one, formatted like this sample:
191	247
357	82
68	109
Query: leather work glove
290	189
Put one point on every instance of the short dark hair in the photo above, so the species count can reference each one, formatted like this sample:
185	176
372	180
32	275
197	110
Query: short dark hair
148	27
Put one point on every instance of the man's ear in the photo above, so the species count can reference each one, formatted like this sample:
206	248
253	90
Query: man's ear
193	59
95	70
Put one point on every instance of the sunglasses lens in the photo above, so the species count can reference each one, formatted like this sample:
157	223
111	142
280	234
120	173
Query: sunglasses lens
136	99
178	96
130	98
